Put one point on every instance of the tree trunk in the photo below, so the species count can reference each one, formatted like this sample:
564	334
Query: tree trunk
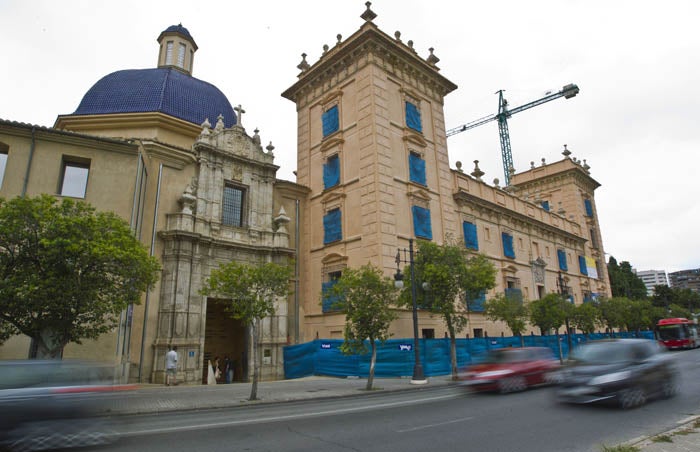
561	355
372	362
256	365
453	354
46	347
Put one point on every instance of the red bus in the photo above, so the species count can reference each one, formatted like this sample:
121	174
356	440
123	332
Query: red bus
677	333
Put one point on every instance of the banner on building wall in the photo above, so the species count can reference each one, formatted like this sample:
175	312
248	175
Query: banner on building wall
591	267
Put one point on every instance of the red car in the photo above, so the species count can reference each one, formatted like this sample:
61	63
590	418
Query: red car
511	370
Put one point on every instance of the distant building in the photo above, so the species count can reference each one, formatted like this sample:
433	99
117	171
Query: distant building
686	279
653	278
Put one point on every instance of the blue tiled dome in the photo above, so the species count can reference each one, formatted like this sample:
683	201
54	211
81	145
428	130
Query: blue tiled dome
165	90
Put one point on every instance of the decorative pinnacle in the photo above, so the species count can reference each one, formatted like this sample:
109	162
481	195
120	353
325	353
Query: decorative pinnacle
432	59
566	152
303	66
477	173
368	15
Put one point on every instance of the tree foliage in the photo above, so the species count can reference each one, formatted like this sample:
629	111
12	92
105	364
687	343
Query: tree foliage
549	312
624	282
509	310
586	317
366	297
665	297
67	271
248	293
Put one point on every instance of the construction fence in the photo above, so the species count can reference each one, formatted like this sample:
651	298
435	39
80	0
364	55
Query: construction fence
395	357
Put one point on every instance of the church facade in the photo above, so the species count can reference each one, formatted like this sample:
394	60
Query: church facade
169	154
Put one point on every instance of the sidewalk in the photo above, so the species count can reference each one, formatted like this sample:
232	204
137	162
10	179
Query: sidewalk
148	399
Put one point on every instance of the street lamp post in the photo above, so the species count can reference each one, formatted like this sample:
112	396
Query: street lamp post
418	376
564	290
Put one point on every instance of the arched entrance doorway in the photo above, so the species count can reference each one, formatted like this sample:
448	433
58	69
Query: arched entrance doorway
224	336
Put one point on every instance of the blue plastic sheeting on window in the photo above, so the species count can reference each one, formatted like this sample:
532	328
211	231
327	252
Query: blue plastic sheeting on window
331	172
329	302
330	120
416	168
395	358
545	205
471	240
421	223
332	231
514	294
582	265
413	117
561	255
507	240
476	304
589	207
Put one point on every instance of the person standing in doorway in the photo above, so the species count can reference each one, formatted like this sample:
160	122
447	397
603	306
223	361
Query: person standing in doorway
171	366
228	369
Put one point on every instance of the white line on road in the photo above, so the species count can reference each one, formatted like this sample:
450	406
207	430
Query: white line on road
453	421
283	418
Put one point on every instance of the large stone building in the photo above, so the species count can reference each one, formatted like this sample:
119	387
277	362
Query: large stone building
168	153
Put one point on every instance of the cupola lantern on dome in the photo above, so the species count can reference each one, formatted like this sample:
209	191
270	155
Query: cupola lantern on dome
177	48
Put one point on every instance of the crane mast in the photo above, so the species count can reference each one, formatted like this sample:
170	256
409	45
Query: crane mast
567	92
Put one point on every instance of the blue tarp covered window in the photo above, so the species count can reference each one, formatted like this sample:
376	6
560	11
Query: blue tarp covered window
582	265
413	117
421	223
475	303
416	168
332	231
589	207
507	240
561	255
330	301
330	120
514	294
331	172
471	241
545	205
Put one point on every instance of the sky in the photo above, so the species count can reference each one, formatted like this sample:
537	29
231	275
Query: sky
635	120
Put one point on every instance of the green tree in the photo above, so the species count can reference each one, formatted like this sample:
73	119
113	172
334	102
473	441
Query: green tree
613	313
248	293
585	317
665	296
67	271
624	282
509	310
450	273
550	312
366	297
639	315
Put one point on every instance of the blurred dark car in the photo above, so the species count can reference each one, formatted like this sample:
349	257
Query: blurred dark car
628	372
49	404
510	370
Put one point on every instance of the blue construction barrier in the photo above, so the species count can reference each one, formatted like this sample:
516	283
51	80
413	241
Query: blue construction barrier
395	357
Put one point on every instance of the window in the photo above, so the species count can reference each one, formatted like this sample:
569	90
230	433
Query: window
514	293
169	52
545	205
471	240
561	256
329	302
507	240
74	179
594	238
3	163
421	222
475	302
583	268
330	121
233	203
181	55
331	172
589	207
413	117
332	231
416	168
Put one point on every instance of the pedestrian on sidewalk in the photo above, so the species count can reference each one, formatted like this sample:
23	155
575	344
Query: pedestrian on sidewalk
171	366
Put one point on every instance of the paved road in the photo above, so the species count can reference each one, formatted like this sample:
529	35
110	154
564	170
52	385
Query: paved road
437	417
